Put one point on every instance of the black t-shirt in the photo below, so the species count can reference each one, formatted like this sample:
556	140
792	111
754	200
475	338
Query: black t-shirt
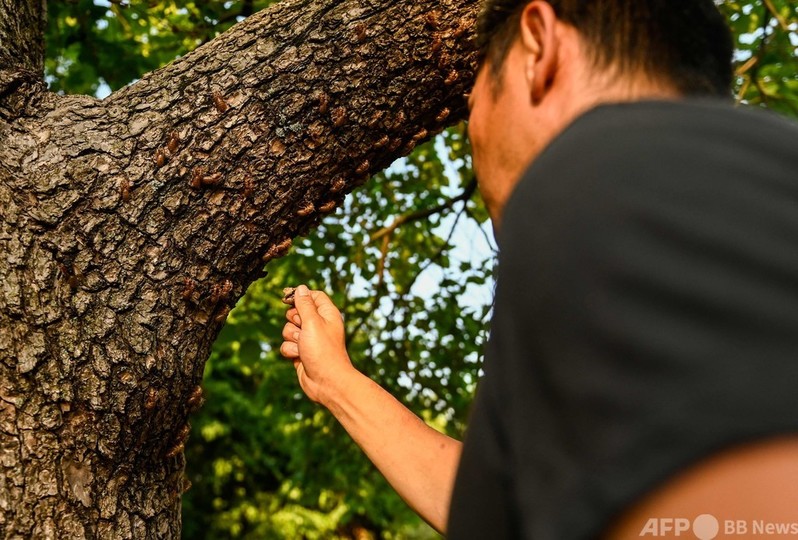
646	316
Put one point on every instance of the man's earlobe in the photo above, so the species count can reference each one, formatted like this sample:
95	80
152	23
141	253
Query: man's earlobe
531	65
538	34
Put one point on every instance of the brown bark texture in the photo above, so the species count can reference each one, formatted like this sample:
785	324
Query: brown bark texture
129	226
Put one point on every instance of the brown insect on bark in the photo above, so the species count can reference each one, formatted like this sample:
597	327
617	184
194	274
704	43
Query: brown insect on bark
277	147
152	399
222	315
437	44
324	103
432	19
160	158
316	130
283	247
443	115
185	485
175	450
219	102
360	32
328	207
461	28
422	134
395	144
70	274
174	142
451	78
399	121
124	189
195	400
338	116
212	179
375	119
188	290
221	291
382	142
278	250
306	210
338	185
363	168
249	186
196	177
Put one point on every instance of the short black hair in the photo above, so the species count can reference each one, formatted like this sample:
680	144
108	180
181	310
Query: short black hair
684	42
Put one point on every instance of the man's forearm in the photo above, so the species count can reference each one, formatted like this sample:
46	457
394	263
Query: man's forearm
419	462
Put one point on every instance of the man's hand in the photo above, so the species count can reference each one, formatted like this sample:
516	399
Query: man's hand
419	462
314	341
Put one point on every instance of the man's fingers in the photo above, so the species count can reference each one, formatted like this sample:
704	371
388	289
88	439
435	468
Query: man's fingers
289	349
304	304
291	332
310	304
293	316
321	303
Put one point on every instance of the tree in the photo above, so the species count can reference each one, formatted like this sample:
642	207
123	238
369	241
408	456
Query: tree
264	461
131	225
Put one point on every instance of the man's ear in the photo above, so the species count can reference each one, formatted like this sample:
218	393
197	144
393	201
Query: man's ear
540	45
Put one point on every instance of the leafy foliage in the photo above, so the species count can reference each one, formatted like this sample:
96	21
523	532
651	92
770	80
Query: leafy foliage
113	42
408	259
767	52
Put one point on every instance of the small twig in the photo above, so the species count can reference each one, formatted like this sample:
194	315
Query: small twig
484	233
386	234
437	254
427	212
753	75
747	65
386	242
777	15
743	89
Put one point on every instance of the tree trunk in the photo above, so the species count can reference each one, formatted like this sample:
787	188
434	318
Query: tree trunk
129	227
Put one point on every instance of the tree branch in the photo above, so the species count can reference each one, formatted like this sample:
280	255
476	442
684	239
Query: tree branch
22	25
130	226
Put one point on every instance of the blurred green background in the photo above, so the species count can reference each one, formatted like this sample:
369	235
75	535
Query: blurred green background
409	259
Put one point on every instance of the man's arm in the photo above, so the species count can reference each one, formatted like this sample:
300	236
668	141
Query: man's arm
754	482
419	462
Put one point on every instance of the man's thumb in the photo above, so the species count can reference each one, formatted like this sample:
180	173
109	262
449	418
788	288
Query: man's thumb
304	303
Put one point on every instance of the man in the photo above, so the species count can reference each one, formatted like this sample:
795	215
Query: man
644	348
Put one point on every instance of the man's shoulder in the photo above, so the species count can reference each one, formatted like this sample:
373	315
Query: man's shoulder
709	114
647	125
662	144
619	162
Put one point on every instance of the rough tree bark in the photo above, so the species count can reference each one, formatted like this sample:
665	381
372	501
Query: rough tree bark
129	226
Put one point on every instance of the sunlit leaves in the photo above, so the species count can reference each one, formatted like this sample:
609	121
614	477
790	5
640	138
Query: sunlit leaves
96	42
767	52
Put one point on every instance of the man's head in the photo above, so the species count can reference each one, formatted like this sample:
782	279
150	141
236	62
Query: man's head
546	61
684	42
